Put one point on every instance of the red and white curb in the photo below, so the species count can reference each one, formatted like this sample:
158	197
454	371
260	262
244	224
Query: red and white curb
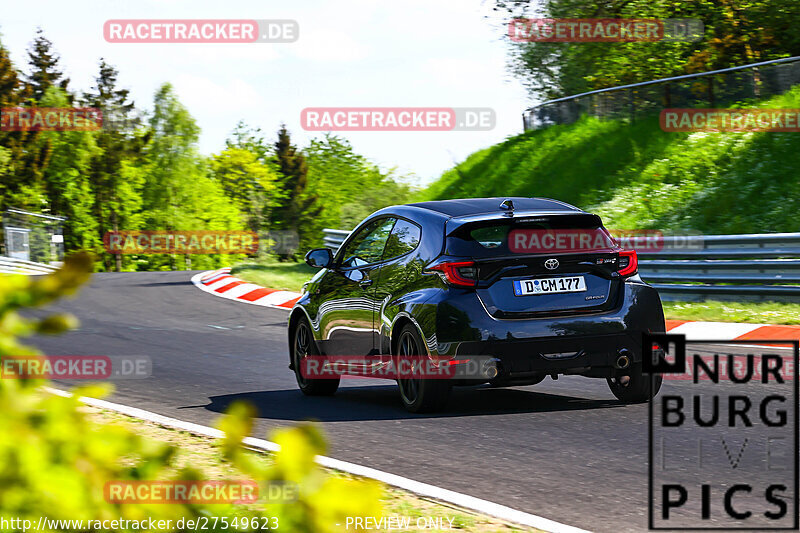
728	331
423	489
221	283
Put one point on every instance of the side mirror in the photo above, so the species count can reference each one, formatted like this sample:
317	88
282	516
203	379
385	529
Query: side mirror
319	258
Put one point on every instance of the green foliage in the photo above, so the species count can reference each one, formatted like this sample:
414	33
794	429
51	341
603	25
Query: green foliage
250	182
5	159
170	162
717	183
178	193
66	178
252	140
21	181
45	71
349	186
136	174
737	32
323	500
299	202
10	83
638	176
115	184
55	462
17	292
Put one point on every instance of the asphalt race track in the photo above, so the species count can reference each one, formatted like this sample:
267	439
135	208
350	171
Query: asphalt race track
565	450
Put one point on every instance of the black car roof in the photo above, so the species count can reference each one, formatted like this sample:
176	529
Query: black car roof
477	206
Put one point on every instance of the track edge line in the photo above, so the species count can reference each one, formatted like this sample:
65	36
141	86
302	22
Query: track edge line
423	489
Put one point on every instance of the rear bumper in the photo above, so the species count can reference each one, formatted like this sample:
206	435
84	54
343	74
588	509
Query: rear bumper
586	344
586	355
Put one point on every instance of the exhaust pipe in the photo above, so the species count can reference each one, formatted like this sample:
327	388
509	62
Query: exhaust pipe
491	368
623	360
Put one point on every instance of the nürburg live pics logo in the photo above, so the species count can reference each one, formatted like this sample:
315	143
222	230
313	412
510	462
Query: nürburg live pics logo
723	434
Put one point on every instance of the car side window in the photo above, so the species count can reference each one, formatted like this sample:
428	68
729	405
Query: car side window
368	244
404	238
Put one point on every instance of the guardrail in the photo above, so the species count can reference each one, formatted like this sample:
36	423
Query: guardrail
10	265
728	267
333	238
752	267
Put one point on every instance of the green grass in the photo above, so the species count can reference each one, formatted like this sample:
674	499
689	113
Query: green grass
273	274
715	311
638	176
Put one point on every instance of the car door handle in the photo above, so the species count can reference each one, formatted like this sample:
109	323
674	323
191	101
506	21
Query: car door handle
364	284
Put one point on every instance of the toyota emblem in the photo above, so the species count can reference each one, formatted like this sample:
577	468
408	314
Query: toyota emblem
551	264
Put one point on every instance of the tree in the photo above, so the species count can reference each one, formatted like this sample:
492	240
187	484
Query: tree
178	193
172	160
349	187
44	67
10	86
299	205
118	142
21	181
66	179
737	32
251	183
251	139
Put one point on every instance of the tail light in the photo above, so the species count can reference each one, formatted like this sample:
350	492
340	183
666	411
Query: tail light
628	263
459	274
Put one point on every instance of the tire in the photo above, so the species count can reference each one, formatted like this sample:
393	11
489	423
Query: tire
419	395
638	388
303	344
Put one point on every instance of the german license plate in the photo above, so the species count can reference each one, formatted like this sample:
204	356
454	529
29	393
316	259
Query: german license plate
525	287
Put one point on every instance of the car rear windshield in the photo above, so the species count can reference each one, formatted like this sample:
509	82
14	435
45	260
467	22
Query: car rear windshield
529	235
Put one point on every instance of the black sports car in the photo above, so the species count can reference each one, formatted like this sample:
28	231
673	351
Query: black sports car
528	287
